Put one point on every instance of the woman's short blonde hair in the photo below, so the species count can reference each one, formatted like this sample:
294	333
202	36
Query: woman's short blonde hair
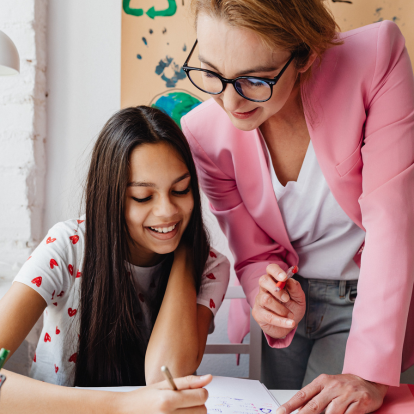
300	26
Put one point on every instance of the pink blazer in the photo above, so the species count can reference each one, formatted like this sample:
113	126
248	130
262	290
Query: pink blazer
360	116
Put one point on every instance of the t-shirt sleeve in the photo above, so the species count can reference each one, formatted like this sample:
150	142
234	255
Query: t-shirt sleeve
214	281
52	266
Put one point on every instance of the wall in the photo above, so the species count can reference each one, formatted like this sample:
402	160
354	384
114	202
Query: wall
22	135
22	155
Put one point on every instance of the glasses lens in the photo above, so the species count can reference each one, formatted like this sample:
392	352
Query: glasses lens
205	81
253	89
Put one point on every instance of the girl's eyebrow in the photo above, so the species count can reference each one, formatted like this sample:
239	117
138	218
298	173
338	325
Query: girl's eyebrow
146	184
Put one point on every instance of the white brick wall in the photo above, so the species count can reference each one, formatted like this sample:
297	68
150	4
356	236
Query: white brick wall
22	135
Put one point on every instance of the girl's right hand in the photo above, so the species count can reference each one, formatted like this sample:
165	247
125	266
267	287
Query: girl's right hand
277	313
160	399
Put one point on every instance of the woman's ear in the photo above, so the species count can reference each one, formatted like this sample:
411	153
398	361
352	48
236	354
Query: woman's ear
309	63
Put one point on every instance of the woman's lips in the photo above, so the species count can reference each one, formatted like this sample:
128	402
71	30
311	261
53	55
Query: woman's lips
244	115
164	236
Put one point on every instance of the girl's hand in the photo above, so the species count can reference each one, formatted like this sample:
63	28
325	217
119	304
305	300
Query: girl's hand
278	313
160	399
337	394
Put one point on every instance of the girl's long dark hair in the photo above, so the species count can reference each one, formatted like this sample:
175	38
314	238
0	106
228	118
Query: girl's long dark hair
111	347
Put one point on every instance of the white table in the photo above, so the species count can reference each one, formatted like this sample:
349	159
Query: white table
283	395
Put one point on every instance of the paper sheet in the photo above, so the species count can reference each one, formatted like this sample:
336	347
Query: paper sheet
230	396
239	396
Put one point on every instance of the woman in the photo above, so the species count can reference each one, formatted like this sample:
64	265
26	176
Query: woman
129	287
305	152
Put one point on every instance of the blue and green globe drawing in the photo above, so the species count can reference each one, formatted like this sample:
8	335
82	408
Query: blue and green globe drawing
176	103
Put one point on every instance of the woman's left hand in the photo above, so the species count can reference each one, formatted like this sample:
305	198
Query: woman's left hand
337	394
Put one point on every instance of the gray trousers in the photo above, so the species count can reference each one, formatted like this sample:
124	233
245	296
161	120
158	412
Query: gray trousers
318	346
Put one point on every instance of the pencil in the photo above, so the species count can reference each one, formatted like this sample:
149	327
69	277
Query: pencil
290	273
169	378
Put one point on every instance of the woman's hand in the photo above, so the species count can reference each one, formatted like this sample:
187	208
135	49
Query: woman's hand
337	394
160	399
278	313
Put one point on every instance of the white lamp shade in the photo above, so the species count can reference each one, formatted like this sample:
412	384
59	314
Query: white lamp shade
9	56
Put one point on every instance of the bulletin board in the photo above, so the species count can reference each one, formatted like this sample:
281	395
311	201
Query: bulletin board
157	36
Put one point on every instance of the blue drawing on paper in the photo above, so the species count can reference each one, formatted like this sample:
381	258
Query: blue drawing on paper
139	57
145	41
177	71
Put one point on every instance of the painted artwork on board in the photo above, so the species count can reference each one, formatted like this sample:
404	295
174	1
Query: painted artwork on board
156	37
158	34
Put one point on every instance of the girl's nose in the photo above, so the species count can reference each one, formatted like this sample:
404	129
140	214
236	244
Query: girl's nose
164	207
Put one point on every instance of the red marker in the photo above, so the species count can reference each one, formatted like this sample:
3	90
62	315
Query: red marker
290	273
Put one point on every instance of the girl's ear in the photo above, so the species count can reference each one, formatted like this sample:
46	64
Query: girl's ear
309	63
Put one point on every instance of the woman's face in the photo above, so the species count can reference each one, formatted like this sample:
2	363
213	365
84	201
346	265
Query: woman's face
232	52
159	201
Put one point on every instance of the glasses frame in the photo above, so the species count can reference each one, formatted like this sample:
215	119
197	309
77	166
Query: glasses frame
224	81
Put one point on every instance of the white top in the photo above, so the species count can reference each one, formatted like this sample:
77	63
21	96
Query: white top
54	271
324	237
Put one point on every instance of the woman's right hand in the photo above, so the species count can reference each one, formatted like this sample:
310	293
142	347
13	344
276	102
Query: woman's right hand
160	399
278	313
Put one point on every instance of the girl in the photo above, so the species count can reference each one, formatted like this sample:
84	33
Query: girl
130	286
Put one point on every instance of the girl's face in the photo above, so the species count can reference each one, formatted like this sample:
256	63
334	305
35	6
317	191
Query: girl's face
234	51
159	202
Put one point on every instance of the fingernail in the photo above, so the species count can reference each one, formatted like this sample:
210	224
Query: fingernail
281	277
290	323
204	377
281	410
285	297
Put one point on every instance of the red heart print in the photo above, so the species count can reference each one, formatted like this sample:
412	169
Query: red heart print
34	359
57	331
73	358
212	304
60	294
53	294
80	221
55	303
47	338
53	263
74	238
29	258
141	297
212	254
72	312
70	268
37	281
56	369
79	274
50	240
211	276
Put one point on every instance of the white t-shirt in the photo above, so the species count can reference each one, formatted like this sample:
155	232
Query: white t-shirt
324	237
54	271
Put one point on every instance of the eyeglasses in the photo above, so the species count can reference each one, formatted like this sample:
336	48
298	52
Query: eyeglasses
251	88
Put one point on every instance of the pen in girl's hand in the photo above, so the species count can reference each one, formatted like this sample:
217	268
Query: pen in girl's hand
169	378
290	273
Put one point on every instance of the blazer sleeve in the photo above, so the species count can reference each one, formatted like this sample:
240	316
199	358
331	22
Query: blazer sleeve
252	248
379	323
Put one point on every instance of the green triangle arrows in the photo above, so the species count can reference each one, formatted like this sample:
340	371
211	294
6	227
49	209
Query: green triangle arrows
152	13
170	11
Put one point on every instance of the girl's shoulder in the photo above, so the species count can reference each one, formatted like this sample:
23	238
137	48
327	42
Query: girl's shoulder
56	263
